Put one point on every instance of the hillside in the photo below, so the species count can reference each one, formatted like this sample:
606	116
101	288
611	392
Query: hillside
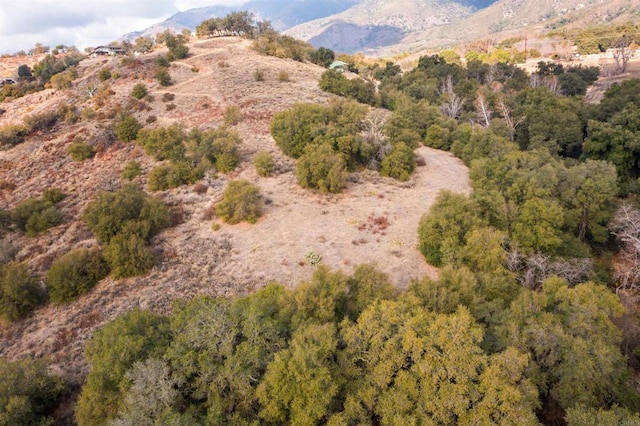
282	14
434	24
194	259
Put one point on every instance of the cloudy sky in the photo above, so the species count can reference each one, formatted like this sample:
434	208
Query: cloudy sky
82	23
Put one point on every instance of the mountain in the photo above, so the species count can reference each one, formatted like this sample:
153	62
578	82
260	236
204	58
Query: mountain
283	14
378	23
380	27
505	17
389	27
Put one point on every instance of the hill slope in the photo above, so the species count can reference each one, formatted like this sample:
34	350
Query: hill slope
193	259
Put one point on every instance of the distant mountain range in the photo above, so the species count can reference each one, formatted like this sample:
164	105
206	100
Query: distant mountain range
394	26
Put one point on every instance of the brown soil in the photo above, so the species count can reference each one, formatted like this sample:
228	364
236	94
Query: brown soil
373	221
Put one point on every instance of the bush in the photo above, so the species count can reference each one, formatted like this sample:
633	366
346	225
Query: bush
162	143
12	135
264	164
36	215
258	75
163	77
53	195
168	97
40	122
20	293
127	127
110	213
128	255
131	170
232	115
242	201
75	274
283	76
217	146
139	91
80	151
294	129
322	169
104	74
400	163
173	176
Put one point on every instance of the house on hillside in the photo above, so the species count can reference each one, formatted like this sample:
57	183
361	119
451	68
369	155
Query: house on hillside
339	66
107	51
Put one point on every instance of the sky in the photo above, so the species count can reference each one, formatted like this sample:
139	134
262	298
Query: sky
83	23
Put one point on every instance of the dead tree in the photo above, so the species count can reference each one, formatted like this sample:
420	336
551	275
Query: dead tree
532	270
372	133
626	227
507	114
622	53
453	104
483	109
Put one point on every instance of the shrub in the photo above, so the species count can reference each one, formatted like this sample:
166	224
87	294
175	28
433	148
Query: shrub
293	129
218	147
12	135
258	75
131	170
232	115
40	122
127	127
110	213
80	151
43	220
173	176
163	77
312	258
128	255
75	274
20	293
242	201
162	62
162	143
168	97
104	74
139	91
170	107
53	195
400	163
36	215
7	250
322	169
64	80
264	164
283	76
158	178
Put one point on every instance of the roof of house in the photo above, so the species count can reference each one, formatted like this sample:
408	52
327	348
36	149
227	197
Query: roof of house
336	64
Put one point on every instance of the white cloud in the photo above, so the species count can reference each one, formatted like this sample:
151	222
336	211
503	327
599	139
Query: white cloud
82	23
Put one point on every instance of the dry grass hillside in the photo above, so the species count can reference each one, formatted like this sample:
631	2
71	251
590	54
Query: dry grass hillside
374	220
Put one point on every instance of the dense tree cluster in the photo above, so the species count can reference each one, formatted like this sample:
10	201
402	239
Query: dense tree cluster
29	394
352	350
330	140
